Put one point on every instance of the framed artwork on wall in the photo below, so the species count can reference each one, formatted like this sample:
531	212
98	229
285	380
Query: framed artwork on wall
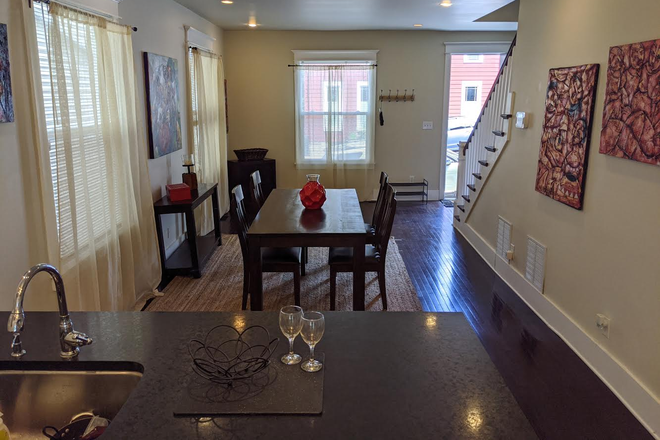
631	114
6	100
569	107
163	117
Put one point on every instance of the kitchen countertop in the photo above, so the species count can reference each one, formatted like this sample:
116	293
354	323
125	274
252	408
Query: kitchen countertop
387	375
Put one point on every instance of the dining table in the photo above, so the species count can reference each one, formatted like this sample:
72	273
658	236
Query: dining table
283	221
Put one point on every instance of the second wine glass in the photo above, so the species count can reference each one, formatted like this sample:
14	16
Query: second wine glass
313	327
290	324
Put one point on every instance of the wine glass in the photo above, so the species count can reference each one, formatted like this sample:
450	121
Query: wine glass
313	326
290	324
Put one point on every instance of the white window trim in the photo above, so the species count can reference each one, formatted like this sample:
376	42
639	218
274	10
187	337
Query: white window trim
465	84
468	60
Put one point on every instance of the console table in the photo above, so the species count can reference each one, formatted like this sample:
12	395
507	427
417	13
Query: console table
192	254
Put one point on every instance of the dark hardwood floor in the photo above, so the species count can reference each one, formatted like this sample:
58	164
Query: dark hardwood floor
560	395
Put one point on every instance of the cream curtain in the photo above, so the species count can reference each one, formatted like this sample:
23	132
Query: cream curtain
99	198
335	123
209	133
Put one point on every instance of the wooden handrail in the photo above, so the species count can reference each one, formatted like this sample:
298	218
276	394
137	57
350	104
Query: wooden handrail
490	94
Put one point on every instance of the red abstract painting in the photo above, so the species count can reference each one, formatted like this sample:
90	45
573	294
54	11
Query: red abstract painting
631	117
569	107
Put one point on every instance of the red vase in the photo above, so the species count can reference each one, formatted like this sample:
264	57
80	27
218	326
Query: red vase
312	195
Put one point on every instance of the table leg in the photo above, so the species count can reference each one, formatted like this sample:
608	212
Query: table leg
256	281
161	244
192	243
216	217
358	276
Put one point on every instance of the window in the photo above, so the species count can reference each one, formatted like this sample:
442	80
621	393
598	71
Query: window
77	152
473	58
335	117
471	94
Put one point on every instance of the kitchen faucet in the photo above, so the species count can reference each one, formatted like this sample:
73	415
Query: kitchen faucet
70	339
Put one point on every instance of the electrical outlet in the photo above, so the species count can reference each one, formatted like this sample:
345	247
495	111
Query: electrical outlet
427	125
510	253
603	324
412	178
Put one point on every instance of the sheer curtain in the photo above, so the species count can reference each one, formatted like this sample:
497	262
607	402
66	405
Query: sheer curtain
335	122
105	241
209	133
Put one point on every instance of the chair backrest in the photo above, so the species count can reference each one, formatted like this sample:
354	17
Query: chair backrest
378	210
239	217
385	231
256	190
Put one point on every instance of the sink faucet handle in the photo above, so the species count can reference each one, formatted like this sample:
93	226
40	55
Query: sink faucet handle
77	339
17	346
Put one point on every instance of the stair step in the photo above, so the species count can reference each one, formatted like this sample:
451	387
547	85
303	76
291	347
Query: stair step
477	175
498	133
506	116
466	198
458	218
484	162
491	148
461	207
472	187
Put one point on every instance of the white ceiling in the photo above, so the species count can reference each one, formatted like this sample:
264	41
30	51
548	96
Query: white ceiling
351	14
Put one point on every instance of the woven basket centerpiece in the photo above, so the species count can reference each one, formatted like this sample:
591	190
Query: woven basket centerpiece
247	154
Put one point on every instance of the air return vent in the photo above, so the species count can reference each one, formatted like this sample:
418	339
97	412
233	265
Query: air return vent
535	270
503	237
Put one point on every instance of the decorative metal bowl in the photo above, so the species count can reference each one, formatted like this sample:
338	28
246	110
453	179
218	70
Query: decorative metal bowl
248	154
227	355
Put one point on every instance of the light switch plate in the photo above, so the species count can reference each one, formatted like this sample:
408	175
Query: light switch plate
521	120
427	125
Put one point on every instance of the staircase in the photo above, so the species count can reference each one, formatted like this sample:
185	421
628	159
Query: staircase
489	137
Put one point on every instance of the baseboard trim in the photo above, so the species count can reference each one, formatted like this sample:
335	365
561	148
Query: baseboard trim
635	396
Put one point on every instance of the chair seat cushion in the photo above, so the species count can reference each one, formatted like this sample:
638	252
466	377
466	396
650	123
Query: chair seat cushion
281	255
340	255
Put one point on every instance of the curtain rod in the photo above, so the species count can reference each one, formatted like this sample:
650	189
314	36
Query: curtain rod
82	8
203	49
333	65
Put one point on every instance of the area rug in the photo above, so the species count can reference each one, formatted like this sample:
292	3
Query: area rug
221	286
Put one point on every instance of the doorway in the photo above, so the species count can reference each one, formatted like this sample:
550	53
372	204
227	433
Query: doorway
470	75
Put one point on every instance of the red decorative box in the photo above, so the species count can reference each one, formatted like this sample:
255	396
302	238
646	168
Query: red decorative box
178	192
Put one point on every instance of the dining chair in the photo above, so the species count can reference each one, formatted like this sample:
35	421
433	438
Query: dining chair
256	190
378	209
341	258
259	198
272	259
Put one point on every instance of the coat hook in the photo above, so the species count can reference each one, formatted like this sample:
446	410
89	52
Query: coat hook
412	97
389	97
381	95
397	95
405	92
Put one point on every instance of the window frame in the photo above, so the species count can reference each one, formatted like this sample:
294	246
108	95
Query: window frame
468	60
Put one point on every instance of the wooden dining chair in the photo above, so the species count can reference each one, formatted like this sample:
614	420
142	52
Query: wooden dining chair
256	190
341	259
272	259
378	209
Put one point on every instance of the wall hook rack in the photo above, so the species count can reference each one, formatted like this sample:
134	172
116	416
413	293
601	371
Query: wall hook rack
398	97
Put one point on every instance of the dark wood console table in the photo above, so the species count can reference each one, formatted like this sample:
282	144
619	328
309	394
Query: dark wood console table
192	254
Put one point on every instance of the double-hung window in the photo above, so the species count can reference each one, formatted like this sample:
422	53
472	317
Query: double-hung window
335	103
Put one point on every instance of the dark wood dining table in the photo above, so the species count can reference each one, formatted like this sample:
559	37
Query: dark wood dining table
284	222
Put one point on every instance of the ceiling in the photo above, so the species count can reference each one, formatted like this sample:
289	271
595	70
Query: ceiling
352	14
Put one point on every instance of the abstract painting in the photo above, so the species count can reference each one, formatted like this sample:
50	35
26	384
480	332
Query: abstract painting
162	85
569	107
6	102
631	116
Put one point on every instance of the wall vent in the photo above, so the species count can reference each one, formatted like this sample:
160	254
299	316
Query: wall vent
503	237
535	269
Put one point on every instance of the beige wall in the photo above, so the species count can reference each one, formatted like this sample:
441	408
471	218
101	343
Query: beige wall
603	259
261	97
161	30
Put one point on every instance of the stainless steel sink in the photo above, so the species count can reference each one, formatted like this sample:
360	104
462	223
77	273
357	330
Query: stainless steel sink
37	394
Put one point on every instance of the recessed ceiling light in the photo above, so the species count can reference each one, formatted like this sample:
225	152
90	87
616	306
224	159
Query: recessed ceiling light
252	22
446	3
417	25
227	2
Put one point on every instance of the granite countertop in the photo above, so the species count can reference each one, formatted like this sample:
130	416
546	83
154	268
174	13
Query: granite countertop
387	376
